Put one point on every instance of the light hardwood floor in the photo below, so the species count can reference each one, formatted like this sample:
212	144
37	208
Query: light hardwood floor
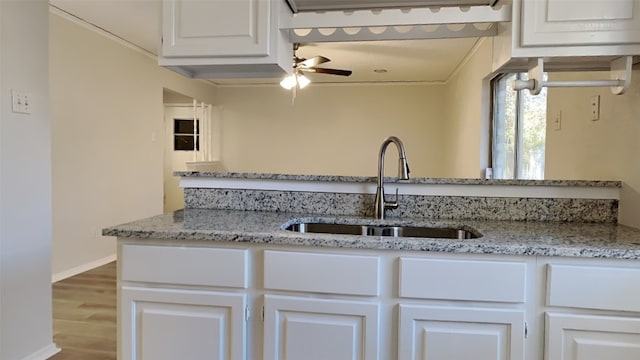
84	315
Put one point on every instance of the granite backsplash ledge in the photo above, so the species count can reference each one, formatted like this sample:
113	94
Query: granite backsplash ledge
412	206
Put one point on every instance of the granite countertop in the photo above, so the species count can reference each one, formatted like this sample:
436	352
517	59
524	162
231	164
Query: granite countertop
601	240
364	179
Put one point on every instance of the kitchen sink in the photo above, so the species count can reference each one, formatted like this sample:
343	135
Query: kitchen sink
385	230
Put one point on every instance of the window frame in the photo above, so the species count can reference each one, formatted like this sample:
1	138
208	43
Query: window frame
519	126
190	135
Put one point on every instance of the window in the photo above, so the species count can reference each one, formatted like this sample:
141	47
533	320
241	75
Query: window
183	134
519	129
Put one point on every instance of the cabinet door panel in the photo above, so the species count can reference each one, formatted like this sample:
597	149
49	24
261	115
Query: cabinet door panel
311	329
191	328
435	333
589	22
216	28
168	324
587	337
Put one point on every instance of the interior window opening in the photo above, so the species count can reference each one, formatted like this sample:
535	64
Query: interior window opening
519	130
185	138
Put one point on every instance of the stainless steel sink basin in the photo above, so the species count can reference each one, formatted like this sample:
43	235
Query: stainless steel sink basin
383	230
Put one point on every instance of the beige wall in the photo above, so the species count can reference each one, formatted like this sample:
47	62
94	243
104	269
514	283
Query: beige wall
107	104
332	129
467	98
603	149
25	184
170	97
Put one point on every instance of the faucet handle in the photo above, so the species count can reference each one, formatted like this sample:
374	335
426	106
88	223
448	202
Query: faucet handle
392	204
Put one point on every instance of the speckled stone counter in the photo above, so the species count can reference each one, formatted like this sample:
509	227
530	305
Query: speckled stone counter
473	199
413	206
593	240
451	181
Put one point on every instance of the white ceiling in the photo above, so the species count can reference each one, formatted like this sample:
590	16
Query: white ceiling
137	21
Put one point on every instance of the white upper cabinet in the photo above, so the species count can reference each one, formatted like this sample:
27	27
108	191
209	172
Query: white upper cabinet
574	22
220	28
569	28
226	39
252	38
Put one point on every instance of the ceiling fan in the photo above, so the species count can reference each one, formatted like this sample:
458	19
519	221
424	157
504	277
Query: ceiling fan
302	65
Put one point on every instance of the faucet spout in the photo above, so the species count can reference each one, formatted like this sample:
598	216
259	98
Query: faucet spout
381	204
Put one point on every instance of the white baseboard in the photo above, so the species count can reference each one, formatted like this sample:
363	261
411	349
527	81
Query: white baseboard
44	353
82	268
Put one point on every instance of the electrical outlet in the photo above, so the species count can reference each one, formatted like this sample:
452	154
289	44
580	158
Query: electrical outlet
595	107
20	102
557	121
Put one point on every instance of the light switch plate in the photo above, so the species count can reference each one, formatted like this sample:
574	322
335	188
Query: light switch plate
20	102
595	107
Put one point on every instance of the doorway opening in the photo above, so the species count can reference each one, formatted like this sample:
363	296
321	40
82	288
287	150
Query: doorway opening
191	142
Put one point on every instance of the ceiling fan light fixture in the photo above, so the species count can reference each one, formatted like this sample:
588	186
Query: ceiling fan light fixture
303	81
289	82
293	80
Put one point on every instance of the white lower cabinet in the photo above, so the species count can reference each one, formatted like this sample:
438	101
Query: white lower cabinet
591	337
297	328
442	333
170	324
182	301
592	310
484	318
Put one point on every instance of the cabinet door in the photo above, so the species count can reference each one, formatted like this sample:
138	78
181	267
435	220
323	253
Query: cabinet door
198	28
582	22
587	337
312	329
443	333
169	324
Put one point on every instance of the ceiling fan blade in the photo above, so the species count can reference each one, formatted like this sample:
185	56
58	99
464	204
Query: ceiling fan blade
330	71
312	62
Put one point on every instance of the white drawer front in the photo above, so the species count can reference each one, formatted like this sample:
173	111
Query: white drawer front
462	280
592	287
185	265
322	273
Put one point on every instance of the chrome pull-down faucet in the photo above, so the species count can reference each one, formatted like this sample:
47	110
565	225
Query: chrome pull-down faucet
381	203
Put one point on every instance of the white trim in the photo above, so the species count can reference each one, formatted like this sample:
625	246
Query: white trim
122	41
503	191
327	83
44	353
82	268
466	59
378	33
400	17
92	27
179	105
